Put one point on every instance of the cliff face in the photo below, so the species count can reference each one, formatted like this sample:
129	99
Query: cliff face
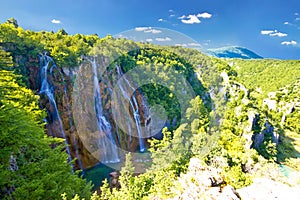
79	123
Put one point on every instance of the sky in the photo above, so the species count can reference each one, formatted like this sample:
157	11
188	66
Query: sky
270	28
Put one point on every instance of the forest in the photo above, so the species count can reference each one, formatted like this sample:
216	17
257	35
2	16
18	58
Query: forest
226	122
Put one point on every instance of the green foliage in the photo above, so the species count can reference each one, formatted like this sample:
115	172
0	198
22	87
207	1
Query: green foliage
126	179
105	192
42	172
19	97
30	169
5	60
268	149
207	68
267	73
132	187
168	67
236	177
285	119
172	152
25	44
293	122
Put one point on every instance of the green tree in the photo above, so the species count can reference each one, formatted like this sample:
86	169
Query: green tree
29	167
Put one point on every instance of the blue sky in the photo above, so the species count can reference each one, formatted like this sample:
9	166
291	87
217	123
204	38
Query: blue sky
271	28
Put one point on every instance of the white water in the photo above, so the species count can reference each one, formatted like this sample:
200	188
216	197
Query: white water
48	91
134	106
106	144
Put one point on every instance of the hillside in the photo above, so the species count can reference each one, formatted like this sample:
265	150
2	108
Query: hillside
160	122
267	75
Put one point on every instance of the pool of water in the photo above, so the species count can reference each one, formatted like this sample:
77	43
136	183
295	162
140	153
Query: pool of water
100	172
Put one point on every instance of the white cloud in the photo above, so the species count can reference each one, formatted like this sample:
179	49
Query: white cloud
278	34
55	21
273	33
182	17
292	42
163	39
181	45
204	15
171	10
193	44
147	30
286	23
154	31
161	20
194	18
297	19
141	28
296	13
266	32
191	19
149	40
172	15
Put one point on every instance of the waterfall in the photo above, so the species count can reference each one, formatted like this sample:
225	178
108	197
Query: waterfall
134	106
48	90
106	144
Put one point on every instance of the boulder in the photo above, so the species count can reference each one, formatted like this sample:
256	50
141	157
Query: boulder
114	180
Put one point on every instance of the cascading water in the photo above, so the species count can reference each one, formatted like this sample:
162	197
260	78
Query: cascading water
48	90
134	106
107	144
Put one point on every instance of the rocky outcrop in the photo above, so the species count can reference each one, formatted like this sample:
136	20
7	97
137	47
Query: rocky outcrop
262	189
253	117
203	182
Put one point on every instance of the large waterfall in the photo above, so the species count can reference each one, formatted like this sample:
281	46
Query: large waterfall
106	143
48	90
87	119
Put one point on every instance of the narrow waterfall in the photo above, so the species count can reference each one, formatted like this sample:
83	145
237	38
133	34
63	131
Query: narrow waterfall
48	90
135	108
106	143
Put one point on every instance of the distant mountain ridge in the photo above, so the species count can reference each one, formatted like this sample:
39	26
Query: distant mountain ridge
233	52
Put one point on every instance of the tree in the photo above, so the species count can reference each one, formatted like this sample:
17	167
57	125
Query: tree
5	60
29	167
13	21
